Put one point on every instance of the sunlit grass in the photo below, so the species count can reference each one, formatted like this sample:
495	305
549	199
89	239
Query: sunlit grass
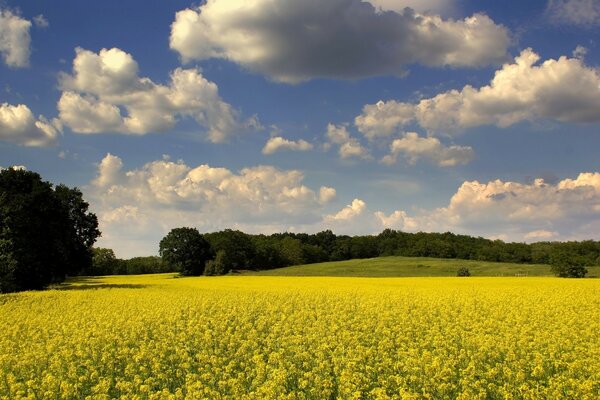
415	266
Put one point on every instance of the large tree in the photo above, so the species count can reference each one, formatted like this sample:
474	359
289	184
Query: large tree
185	250
40	240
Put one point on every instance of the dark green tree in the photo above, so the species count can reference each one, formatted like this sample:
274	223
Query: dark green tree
566	265
38	240
185	250
81	230
104	262
238	247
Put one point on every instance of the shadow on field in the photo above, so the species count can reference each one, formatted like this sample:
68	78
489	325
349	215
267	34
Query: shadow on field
91	283
98	286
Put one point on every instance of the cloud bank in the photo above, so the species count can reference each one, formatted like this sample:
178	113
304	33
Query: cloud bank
564	90
292	41
164	194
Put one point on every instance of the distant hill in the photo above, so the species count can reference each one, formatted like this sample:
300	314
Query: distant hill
414	266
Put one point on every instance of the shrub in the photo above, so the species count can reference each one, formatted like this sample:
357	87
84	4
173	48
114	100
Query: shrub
463	271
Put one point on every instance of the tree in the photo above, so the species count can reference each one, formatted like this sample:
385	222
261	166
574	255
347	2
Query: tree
218	266
463	271
185	250
104	262
80	232
238	247
39	243
566	265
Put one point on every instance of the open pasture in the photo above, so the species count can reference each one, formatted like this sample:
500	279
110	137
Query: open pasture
249	337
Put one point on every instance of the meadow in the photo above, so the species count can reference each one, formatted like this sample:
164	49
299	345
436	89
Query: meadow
415	266
261	337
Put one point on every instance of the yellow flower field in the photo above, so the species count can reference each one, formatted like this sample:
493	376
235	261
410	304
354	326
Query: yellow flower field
160	337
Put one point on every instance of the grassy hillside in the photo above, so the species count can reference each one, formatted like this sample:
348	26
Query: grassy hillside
414	266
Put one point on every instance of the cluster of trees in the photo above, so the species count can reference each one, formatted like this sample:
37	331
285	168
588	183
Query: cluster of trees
46	232
188	251
104	262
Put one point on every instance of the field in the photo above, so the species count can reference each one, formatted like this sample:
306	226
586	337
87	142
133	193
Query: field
415	266
258	337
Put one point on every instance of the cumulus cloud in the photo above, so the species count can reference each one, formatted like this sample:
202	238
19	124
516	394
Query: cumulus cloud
568	209
15	40
413	147
382	118
326	194
104	93
348	147
574	12
291	41
278	143
563	90
19	125
512	211
164	194
356	208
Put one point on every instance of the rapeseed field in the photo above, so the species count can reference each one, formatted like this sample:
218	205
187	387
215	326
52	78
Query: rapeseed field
244	337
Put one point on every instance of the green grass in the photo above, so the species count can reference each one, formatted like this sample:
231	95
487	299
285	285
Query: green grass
414	266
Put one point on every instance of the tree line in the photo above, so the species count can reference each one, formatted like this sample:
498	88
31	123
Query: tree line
188	251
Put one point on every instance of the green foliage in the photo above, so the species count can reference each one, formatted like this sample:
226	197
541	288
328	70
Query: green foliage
185	250
238	247
218	266
104	262
566	266
463	271
45	233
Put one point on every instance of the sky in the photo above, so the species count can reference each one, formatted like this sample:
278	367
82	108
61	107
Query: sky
474	117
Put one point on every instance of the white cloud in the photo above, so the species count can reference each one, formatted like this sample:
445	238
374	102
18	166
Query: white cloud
105	94
160	195
569	209
512	211
349	147
398	220
413	147
563	90
351	211
292	41
278	143
574	12
15	40
40	21
326	194
19	125
382	118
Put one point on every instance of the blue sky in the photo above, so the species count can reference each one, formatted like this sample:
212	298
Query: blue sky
475	117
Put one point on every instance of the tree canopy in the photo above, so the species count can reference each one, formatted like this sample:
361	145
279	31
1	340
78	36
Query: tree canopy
45	233
185	250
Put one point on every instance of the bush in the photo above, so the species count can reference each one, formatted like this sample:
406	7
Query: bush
463	271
